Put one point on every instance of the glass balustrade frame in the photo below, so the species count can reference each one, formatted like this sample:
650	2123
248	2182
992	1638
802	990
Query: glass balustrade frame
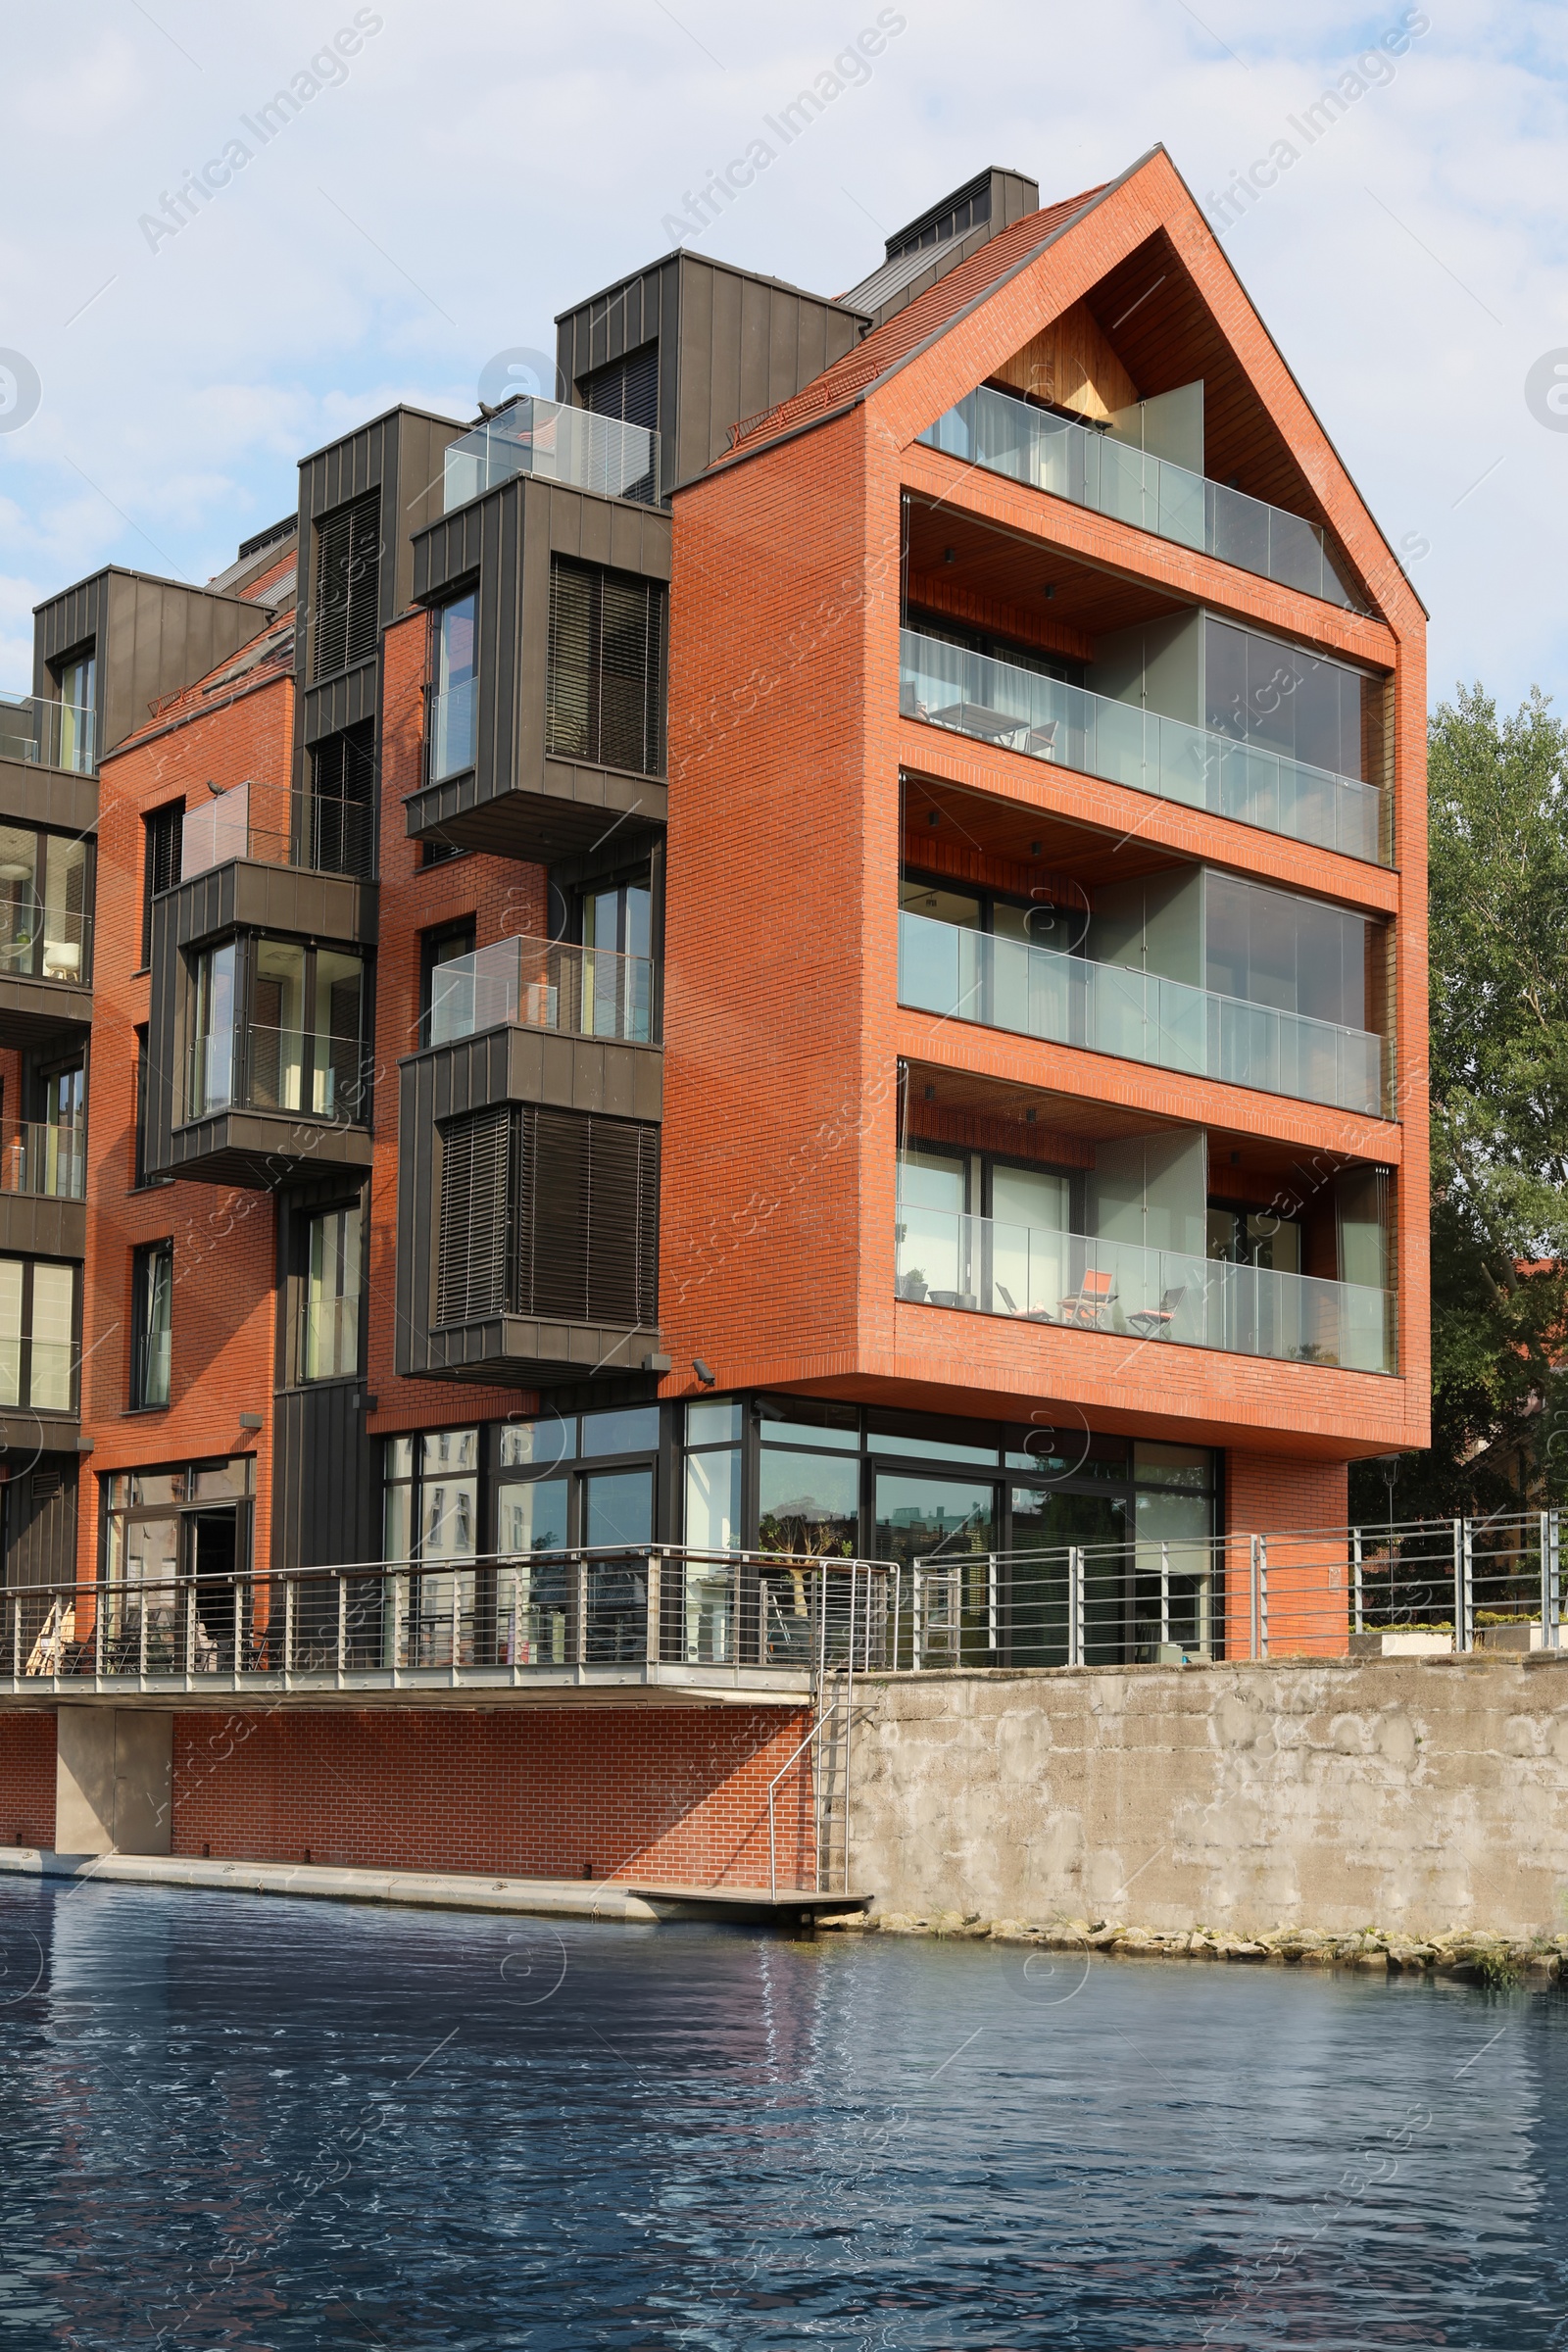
1094	470
555	442
546	984
1168	1297
1063	1000
1121	743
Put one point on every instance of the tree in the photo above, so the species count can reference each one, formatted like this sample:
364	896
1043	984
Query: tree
1499	1115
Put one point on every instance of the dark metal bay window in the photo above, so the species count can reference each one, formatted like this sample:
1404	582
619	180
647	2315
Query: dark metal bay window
152	1302
605	679
38	1334
551	1213
347	571
278	1026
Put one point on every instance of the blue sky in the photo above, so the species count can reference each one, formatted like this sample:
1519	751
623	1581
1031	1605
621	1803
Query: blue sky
467	172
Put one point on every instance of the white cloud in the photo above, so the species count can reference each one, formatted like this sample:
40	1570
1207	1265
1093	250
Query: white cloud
505	161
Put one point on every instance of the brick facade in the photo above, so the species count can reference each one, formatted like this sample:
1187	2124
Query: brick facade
27	1778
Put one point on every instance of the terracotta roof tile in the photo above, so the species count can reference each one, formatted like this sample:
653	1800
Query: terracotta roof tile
923	316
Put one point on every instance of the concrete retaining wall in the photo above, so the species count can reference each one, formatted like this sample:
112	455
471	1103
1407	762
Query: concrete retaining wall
1412	1793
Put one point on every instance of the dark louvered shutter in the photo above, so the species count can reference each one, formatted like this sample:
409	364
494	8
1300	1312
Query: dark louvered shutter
588	1218
569	731
471	1260
628	388
347	580
606	664
342	802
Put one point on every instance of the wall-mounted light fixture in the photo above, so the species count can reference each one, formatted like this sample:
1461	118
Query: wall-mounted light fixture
705	1372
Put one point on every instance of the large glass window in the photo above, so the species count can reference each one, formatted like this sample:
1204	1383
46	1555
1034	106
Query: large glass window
78	724
298	1047
45	921
212	1043
330	1347
1260	690
152	1293
177	1556
1296	955
38	1334
618	971
453	712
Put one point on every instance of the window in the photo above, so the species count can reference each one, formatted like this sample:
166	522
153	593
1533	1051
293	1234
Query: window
152	1300
436	948
607	645
164	829
330	1340
1260	690
277	1027
454	706
347	576
617	970
190	1522
38	1334
45	927
339	823
548	1213
77	681
628	388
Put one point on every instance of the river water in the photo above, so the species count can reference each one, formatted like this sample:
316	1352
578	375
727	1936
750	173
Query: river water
237	2121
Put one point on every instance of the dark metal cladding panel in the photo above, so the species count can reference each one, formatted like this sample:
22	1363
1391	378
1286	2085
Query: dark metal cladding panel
41	1523
306	905
64	622
753	345
692	424
323	1482
341	703
164	1043
33	1225
30	794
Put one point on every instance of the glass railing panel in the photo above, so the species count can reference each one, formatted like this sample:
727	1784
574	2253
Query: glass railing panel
48	734
1116	478
214	832
46	1159
45	943
558	443
1080	1281
323	833
1044	718
1141	1016
52	1362
545	984
454	730
294	1070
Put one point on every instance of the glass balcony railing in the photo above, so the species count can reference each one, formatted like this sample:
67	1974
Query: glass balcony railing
1166	1297
312	1075
558	443
321	833
1112	477
545	984
48	734
1068	1000
50	1161
1125	744
43	942
452	730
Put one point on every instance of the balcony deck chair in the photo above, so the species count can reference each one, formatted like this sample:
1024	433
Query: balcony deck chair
1041	742
1154	1322
1086	1305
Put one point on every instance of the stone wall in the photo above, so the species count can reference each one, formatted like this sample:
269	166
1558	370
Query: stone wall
1413	1794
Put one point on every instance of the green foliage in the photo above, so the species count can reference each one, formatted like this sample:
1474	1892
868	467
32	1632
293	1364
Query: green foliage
1499	1112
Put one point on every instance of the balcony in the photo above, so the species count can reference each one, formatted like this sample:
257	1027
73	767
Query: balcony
44	1161
546	984
1122	743
296	1071
548	1625
1112	477
1140	1016
1083	1282
270	826
556	444
41	733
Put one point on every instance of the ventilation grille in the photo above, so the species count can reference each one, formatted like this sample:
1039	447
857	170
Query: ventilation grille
347	577
606	637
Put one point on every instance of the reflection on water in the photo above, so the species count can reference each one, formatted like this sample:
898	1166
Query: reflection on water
235	2122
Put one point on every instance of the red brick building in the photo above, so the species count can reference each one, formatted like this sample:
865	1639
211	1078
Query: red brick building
811	953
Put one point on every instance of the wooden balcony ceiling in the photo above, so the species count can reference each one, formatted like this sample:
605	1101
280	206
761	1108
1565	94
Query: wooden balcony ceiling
974	826
1012	574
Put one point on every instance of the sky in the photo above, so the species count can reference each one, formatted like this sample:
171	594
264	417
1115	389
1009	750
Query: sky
454	176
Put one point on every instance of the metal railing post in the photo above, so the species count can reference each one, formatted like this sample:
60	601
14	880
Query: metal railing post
289	1636
1356	1580
1075	1605
581	1629
15	1599
1253	1598
916	1621
1550	1604
1262	1596
1164	1595
651	1610
455	1658
992	1613
189	1627
342	1622
1463	1588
